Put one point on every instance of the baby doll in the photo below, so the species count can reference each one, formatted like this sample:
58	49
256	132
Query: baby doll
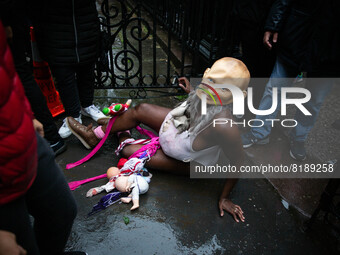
135	183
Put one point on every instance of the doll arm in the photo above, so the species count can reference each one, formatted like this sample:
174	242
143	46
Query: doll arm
107	187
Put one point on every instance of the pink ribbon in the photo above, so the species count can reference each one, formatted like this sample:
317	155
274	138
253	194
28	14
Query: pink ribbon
76	184
99	145
151	147
145	132
94	151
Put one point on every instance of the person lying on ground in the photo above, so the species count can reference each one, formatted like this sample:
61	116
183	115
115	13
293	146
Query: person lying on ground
194	138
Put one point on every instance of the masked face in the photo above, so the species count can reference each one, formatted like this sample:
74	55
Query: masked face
226	71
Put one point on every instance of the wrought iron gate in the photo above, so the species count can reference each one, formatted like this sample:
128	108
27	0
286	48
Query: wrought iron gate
147	44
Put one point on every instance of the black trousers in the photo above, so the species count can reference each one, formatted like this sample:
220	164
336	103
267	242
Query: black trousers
20	45
49	201
75	85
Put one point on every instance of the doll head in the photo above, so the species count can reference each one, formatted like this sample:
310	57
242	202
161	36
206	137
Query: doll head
112	171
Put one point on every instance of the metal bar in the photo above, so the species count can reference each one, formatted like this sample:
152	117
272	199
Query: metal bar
111	66
169	43
198	40
154	34
184	38
125	42
213	34
139	15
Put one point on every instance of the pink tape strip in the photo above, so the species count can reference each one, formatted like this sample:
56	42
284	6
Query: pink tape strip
94	151
76	184
145	132
99	145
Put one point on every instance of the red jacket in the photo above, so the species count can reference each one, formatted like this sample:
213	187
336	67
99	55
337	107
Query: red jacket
18	144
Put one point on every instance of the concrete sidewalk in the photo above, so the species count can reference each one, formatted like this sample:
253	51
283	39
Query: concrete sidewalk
322	146
179	215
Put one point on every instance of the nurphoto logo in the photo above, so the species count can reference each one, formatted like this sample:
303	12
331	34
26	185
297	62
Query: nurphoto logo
239	102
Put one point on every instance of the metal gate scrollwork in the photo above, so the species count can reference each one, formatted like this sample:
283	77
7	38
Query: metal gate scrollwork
128	50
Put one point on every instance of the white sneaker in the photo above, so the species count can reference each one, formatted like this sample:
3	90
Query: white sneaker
64	131
93	112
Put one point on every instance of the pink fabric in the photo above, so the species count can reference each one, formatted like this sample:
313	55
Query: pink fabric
76	184
130	141
146	132
98	131
94	151
151	148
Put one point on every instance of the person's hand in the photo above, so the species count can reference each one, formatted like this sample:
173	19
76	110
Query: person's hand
228	206
8	244
38	127
9	32
268	36
184	83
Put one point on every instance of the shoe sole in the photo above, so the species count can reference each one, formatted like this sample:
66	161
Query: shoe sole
292	155
84	113
245	146
88	115
261	142
87	146
65	136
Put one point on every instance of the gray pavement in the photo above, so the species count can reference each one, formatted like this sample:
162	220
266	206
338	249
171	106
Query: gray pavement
322	146
179	215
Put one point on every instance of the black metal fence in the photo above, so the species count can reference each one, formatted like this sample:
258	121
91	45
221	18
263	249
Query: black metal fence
204	28
145	44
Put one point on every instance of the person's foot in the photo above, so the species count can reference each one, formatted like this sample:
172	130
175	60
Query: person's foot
58	147
74	253
248	139
64	131
336	124
83	133
94	113
297	150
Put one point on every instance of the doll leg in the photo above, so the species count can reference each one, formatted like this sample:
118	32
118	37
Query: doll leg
127	199
135	198
143	185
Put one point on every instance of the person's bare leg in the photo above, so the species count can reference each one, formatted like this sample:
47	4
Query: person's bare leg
147	114
150	115
159	161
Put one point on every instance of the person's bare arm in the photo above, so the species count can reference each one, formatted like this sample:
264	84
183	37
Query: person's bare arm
232	147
